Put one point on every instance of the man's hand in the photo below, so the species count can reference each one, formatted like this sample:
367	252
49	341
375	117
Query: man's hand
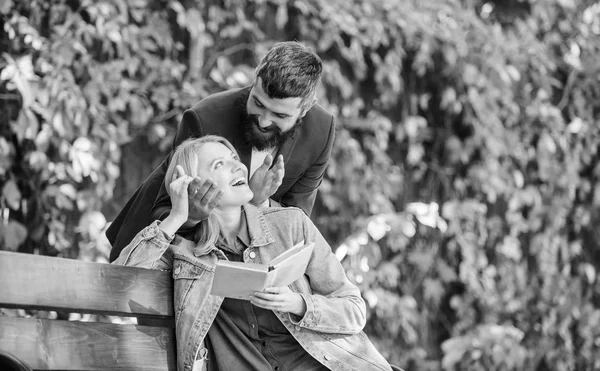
204	196
280	298
265	181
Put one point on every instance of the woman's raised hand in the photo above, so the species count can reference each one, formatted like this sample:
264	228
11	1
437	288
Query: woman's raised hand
178	191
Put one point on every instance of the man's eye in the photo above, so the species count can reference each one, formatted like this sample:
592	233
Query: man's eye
218	164
258	104
282	116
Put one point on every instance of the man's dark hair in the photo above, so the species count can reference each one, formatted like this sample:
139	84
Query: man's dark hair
290	70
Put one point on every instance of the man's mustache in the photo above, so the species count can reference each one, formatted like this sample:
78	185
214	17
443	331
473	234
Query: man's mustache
272	128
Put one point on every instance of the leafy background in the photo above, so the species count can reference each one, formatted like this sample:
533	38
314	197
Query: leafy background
463	192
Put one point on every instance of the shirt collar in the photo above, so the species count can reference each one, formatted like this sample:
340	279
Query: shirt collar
255	231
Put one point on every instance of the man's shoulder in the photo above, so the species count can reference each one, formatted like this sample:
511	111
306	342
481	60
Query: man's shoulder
318	115
317	131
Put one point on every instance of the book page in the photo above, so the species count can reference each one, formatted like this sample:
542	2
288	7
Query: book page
286	254
290	268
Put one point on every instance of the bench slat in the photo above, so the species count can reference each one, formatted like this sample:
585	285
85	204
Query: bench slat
42	282
71	345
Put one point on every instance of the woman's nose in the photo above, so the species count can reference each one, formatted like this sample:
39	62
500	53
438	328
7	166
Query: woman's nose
236	165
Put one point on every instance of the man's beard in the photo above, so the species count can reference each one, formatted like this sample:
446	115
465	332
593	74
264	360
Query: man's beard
267	138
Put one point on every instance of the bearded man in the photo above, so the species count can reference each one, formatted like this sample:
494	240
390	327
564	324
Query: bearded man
283	137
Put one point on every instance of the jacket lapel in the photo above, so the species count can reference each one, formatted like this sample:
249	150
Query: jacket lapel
286	150
259	232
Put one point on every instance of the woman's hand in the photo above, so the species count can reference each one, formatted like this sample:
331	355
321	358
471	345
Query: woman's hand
203	197
280	298
178	191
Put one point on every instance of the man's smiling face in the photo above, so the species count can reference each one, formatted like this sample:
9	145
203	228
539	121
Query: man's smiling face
270	120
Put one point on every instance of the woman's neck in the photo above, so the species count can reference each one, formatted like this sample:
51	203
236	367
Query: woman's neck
231	221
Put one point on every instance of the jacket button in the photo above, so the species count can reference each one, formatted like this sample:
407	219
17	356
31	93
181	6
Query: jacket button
327	357
178	269
297	328
252	255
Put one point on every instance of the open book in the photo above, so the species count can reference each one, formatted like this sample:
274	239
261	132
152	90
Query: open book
239	280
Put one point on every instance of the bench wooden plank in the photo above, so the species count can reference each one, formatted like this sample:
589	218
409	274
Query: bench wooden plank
42	282
64	345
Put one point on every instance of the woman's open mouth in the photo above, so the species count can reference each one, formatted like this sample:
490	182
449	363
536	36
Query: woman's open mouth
238	182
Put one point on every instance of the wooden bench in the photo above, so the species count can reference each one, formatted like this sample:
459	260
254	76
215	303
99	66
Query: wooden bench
74	286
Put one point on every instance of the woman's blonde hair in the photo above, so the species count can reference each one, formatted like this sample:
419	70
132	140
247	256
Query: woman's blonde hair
186	155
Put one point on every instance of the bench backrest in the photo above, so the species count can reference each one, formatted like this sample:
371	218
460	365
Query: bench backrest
74	286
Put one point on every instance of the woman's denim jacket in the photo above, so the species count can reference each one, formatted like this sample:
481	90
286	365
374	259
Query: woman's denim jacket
331	329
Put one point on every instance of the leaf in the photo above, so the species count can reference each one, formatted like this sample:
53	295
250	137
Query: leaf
378	228
281	17
12	235
68	190
408	228
414	126
57	124
12	195
470	74
27	125
5	6
6	155
8	72
433	290
445	271
421	259
454	350
511	248
91	224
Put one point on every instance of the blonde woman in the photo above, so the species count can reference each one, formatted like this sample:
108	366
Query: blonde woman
313	324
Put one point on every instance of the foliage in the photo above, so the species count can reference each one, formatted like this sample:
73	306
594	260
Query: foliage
462	193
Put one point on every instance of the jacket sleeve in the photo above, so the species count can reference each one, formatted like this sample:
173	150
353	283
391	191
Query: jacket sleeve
189	127
335	305
304	192
148	249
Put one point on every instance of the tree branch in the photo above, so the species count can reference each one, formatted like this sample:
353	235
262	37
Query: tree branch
10	96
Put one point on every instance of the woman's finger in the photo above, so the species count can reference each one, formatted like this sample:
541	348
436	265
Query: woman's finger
267	304
186	182
266	296
181	183
180	171
277	289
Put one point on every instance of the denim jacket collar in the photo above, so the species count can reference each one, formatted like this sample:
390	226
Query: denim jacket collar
257	232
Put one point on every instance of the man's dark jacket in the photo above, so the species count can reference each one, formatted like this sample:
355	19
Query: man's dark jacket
305	156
